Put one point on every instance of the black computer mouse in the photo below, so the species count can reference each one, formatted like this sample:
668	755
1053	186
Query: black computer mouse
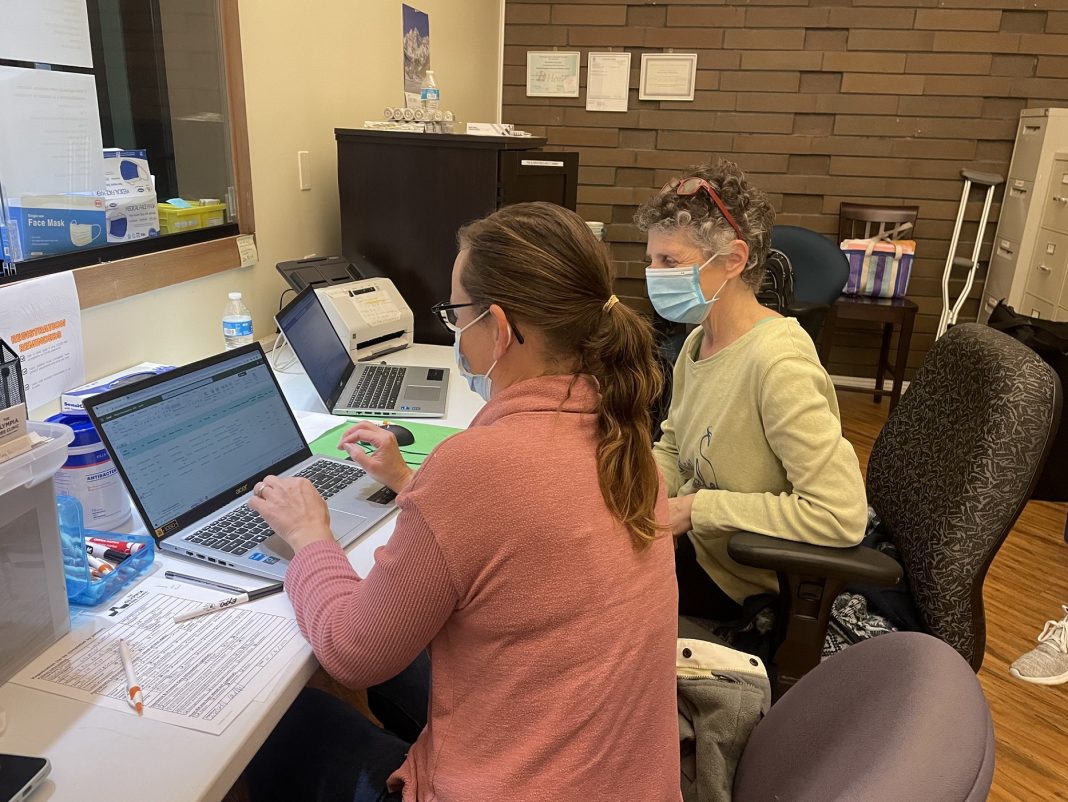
404	437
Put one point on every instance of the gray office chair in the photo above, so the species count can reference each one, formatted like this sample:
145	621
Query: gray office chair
898	717
1049	340
949	475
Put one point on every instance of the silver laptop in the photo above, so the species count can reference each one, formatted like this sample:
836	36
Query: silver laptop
191	444
359	388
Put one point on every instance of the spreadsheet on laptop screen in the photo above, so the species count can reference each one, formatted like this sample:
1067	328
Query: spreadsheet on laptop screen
185	440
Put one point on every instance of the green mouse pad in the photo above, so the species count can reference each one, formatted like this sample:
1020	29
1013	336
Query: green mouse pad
427	436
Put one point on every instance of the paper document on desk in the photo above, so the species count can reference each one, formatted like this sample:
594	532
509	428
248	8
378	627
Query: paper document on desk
200	674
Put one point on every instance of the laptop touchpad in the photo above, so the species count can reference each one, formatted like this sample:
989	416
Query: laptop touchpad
418	392
278	546
341	524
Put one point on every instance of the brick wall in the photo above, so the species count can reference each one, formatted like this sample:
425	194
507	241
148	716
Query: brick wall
820	101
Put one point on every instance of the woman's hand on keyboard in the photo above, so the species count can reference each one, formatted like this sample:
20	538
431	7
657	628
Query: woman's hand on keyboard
293	508
386	463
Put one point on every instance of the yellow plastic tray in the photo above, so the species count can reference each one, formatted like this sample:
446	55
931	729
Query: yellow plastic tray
172	219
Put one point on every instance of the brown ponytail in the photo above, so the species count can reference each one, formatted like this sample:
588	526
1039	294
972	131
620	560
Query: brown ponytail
542	266
619	354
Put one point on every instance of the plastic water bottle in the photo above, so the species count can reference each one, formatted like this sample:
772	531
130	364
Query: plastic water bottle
429	94
237	323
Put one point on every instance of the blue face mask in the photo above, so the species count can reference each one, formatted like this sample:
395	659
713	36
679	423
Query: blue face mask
478	382
675	292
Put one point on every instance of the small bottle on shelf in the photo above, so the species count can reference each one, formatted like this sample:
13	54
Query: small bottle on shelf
429	94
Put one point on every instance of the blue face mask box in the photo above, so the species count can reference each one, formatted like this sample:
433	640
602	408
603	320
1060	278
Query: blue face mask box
130	196
47	225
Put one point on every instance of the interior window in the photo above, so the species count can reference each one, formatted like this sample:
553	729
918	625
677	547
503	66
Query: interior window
114	133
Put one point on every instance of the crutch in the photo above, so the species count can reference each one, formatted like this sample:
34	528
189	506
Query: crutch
949	313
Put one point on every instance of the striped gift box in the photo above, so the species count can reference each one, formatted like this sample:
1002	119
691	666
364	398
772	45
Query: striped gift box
878	268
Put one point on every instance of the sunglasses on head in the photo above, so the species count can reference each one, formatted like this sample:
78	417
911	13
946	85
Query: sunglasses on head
686	187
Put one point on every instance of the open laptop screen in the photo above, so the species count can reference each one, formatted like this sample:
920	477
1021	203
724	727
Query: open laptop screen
198	435
313	339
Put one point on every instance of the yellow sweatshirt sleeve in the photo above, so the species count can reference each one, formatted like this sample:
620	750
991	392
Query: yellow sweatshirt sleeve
827	505
666	449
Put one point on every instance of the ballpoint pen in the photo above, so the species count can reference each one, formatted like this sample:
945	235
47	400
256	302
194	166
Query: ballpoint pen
133	687
233	601
208	583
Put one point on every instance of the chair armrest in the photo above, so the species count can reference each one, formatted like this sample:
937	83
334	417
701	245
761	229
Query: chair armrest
800	308
810	577
809	315
852	564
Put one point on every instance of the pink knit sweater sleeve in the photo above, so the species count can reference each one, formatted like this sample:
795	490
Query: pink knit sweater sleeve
365	631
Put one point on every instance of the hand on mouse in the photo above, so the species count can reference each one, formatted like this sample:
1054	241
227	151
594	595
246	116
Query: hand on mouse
293	508
385	464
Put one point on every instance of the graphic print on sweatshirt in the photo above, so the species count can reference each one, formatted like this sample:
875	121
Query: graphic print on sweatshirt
704	475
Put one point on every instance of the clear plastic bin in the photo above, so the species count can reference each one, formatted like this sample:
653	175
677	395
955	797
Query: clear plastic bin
82	588
37	464
33	600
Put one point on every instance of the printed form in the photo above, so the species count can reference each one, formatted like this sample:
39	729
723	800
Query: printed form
199	674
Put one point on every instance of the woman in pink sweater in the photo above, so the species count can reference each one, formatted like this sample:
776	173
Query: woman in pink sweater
531	555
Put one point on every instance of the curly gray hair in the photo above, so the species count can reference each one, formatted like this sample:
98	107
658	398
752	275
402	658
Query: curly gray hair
698	217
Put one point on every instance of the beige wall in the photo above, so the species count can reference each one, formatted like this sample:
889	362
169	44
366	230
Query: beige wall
334	64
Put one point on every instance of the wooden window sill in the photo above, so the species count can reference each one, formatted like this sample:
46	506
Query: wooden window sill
112	281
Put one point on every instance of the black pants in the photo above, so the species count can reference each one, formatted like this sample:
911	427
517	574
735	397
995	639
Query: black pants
324	750
699	595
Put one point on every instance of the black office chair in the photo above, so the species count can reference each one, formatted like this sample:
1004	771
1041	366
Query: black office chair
820	272
948	476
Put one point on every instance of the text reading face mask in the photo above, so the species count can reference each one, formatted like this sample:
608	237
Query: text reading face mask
478	382
675	292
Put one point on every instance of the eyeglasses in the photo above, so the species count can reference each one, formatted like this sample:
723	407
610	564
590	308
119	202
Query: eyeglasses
446	314
686	187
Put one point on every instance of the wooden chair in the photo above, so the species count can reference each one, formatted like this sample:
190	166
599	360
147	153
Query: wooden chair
856	221
860	221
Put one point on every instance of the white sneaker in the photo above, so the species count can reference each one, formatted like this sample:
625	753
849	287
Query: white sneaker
1046	664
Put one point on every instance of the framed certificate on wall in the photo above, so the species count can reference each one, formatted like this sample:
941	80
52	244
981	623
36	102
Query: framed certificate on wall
607	81
667	76
552	74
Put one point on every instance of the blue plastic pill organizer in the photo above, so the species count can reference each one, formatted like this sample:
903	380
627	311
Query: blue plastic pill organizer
82	589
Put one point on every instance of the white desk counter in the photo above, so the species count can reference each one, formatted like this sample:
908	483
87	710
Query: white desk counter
98	754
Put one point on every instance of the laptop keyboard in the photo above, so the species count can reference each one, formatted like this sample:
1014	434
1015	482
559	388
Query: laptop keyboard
378	388
243	529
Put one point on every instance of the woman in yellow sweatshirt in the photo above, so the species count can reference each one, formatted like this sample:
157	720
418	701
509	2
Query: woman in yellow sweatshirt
753	440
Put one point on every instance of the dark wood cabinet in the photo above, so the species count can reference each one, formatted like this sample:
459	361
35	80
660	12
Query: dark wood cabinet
404	195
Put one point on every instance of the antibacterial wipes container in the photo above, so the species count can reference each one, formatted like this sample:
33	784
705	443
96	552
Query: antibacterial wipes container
90	476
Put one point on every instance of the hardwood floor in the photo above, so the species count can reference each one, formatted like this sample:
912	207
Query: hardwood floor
1026	585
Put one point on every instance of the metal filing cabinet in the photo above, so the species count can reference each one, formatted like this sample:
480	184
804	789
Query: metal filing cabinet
1045	288
1030	257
